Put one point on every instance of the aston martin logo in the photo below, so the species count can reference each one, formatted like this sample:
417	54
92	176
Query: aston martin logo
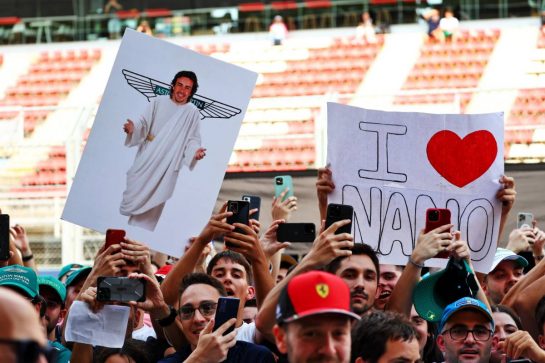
322	290
150	88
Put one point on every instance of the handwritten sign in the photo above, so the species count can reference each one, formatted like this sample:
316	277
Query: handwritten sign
392	166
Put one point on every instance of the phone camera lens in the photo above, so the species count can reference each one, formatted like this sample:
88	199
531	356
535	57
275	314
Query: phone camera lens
521	217
309	229
433	215
278	181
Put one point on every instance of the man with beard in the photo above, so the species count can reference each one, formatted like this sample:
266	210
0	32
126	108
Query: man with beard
506	270
360	271
466	332
54	294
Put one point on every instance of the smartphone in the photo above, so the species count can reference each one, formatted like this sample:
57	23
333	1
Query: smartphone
241	214
227	309
281	182
4	237
120	289
339	212
525	219
255	202
435	218
114	236
519	361
296	232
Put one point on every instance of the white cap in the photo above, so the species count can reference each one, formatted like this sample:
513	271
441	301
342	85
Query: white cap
503	254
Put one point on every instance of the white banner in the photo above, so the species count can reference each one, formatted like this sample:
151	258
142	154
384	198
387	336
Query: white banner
392	166
152	184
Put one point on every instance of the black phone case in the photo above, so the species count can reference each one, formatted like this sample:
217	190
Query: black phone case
122	289
240	213
296	232
4	237
339	212
255	202
227	309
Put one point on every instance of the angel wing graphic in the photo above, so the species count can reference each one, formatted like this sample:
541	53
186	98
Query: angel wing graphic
150	88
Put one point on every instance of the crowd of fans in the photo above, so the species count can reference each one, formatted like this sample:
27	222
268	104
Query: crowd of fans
338	303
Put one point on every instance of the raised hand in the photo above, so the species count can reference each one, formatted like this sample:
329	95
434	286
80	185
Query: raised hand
430	244
128	127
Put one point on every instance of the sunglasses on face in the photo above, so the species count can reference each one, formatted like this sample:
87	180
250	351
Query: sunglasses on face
206	308
29	351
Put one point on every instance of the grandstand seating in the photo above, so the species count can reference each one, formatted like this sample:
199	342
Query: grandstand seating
456	65
48	81
337	68
49	174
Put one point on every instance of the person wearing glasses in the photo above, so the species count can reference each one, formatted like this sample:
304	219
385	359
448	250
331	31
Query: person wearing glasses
198	300
466	332
22	337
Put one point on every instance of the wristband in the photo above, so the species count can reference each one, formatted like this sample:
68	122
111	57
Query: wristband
537	258
31	256
415	264
166	321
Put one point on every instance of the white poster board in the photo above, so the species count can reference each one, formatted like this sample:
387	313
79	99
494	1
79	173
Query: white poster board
392	166
141	75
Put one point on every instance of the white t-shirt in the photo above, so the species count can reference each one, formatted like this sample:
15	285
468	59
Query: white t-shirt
143	333
246	332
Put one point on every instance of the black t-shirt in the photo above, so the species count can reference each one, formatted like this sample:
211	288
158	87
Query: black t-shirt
242	352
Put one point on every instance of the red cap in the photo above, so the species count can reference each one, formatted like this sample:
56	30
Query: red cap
312	293
163	271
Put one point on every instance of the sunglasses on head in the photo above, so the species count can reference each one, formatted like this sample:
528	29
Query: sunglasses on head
29	351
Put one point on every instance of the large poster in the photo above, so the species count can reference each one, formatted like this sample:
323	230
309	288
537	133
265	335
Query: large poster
159	147
392	166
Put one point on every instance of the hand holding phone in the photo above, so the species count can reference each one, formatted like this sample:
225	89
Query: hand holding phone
339	212
525	220
296	232
255	203
281	183
227	309
121	289
435	218
114	236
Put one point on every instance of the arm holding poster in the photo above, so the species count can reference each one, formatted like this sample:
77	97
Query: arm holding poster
427	246
324	186
507	196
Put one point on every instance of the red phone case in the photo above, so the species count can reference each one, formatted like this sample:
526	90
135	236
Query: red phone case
114	236
435	218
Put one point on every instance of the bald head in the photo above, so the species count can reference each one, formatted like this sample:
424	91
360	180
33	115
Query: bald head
19	318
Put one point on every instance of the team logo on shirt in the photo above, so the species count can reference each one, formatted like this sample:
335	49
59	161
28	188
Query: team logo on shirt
322	290
151	88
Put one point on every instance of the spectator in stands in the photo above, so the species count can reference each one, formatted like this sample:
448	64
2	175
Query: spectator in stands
286	263
326	247
366	29
314	319
506	270
389	274
360	271
449	25
278	30
54	294
144	27
198	298
172	121
506	322
22	338
250	311
433	18
466	332
114	24
384	337
526	240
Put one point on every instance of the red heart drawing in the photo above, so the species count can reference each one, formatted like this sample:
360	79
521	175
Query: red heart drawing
461	161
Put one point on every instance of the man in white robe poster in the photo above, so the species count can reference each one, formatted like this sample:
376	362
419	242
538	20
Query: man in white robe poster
167	136
161	183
